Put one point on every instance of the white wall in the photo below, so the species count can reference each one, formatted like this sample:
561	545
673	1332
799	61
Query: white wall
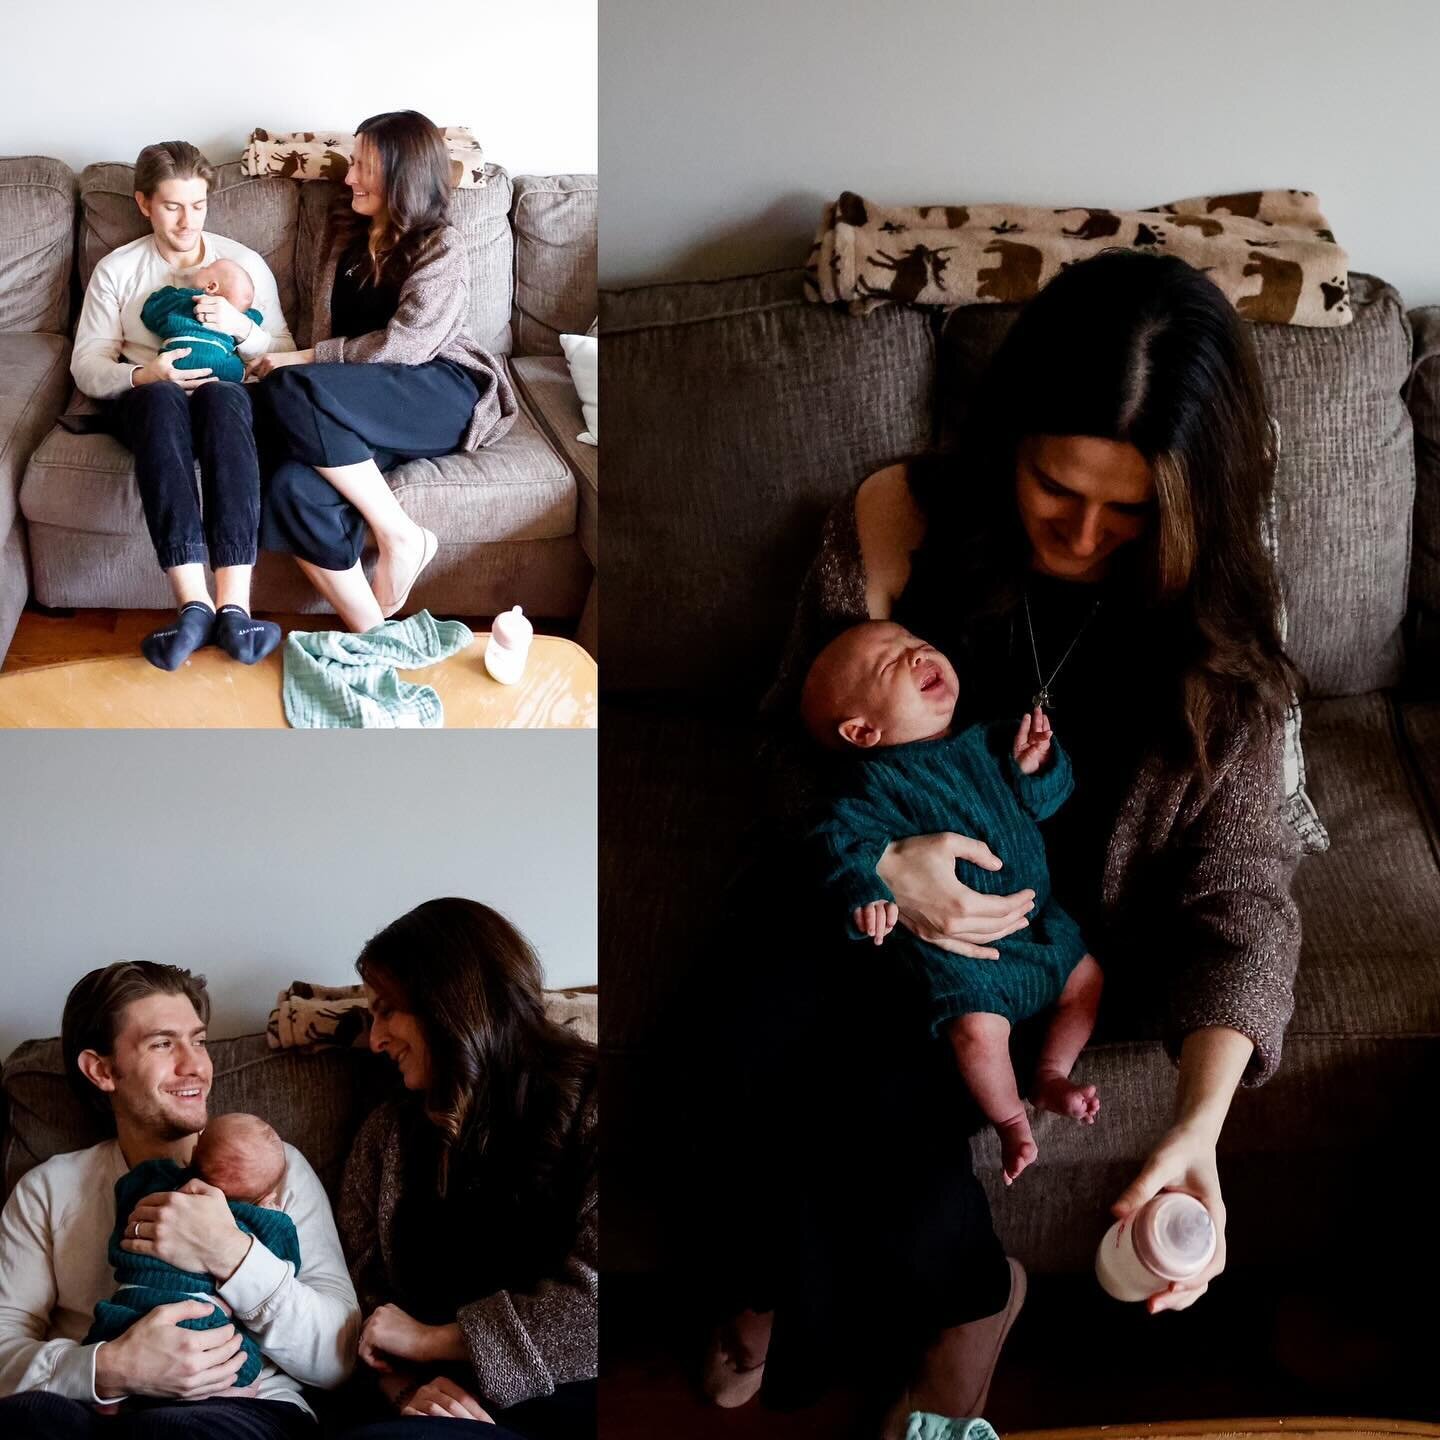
93	80
725	127
263	858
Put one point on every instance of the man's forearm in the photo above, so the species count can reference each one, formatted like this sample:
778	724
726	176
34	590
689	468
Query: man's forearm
1212	1061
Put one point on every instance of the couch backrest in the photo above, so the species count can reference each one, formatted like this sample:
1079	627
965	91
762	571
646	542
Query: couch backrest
316	1102
554	218
743	411
37	231
548	278
261	213
736	414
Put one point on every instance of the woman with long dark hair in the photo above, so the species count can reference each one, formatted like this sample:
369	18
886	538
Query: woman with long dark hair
469	1208
391	375
1093	543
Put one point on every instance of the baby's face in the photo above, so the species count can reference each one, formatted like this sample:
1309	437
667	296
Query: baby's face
892	687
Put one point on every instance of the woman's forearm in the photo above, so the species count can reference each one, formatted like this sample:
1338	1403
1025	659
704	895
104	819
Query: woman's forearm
1212	1061
444	1343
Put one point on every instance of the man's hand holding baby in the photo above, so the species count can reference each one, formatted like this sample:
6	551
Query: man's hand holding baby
1032	741
191	1228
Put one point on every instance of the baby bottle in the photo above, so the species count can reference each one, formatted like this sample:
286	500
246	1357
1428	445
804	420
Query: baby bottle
1170	1238
508	645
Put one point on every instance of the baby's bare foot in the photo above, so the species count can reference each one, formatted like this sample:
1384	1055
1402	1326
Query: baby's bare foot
1060	1096
1017	1146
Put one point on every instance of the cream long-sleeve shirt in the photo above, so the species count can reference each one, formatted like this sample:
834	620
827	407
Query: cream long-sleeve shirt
54	1233
110	340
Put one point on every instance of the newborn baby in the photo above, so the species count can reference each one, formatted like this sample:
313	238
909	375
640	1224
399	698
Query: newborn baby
888	699
239	1154
170	313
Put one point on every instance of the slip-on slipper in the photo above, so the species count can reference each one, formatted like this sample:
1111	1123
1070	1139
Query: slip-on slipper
431	546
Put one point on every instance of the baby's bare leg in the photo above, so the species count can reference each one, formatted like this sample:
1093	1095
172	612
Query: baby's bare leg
982	1050
1070	1028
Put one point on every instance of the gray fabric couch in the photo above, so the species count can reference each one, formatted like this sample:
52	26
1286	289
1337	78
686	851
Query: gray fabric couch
516	521
736	414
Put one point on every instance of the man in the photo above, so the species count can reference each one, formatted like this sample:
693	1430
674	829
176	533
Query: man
133	1035
170	416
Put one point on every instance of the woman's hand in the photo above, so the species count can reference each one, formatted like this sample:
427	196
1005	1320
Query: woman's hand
1183	1160
263	365
444	1397
935	906
219	314
191	1228
390	1331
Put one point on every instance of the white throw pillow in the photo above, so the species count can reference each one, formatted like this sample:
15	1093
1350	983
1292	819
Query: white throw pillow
582	355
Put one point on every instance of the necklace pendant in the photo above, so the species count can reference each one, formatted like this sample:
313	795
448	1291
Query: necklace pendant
1041	699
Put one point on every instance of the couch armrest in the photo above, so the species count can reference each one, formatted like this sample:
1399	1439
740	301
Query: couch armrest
1422	395
34	383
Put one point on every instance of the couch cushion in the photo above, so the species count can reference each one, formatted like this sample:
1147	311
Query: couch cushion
736	414
1423	395
316	1102
34	381
516	489
37	230
546	383
1421	722
260	212
1345	487
482	217
555	222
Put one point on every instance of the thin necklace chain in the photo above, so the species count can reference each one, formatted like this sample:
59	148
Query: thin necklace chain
1042	696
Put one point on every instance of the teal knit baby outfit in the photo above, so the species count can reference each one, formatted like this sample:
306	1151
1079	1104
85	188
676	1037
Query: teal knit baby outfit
170	313
144	1281
970	784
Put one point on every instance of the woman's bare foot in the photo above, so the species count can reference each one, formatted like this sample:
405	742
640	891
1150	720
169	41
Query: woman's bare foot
1017	1146
735	1362
1060	1096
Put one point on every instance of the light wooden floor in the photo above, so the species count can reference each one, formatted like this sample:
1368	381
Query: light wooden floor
42	639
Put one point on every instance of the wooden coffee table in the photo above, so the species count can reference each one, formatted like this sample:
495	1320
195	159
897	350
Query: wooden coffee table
211	691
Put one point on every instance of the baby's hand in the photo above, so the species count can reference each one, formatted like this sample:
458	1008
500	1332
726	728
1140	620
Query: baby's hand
877	919
1032	741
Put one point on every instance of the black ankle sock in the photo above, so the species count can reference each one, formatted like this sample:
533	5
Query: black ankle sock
243	638
171	647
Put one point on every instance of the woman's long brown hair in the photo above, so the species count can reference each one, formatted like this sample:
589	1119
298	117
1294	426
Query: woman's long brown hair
1145	350
415	173
505	1079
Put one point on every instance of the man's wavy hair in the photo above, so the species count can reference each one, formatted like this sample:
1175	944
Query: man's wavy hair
1145	350
96	1003
505	1079
171	160
416	176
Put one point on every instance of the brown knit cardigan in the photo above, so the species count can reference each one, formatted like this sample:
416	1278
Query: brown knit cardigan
429	324
1234	944
520	1345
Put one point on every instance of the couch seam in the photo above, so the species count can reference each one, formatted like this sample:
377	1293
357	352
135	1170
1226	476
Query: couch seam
29	404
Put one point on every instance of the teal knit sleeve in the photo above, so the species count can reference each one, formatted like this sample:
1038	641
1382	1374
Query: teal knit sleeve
165	307
848	845
1043	793
254	317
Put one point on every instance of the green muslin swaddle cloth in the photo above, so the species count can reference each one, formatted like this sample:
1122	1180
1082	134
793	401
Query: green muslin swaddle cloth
337	681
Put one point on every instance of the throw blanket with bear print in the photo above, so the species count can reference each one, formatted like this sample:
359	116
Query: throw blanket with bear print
325	155
1270	252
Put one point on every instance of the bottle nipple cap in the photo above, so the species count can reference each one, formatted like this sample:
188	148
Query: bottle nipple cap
512	630
1175	1236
